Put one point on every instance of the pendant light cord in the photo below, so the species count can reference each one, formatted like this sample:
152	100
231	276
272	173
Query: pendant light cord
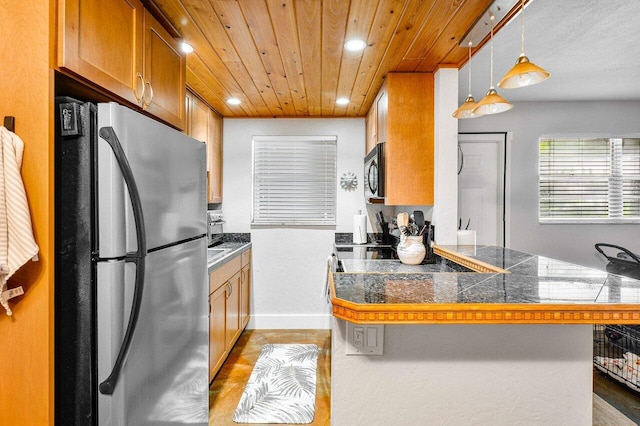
469	66
492	18
522	23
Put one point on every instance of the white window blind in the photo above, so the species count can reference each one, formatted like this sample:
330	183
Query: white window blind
294	180
589	179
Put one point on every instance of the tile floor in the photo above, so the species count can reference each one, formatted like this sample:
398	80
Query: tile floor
227	387
612	408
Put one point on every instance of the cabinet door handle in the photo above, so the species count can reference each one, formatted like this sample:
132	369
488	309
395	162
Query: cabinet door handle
135	93
243	275
229	289
144	100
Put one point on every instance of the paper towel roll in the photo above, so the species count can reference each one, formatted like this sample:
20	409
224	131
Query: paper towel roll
360	229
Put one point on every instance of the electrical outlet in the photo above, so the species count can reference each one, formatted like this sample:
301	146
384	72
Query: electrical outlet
364	339
358	337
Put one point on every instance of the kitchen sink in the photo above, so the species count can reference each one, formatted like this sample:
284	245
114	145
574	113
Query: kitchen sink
215	253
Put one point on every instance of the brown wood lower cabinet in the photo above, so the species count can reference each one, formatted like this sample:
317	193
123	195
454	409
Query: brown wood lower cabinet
233	309
245	291
217	330
229	289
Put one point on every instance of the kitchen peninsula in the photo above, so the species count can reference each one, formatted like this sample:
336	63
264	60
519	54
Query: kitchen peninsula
514	345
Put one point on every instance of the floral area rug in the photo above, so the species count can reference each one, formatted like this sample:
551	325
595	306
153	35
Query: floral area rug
282	386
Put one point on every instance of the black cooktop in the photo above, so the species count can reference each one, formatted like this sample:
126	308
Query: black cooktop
372	252
365	251
387	252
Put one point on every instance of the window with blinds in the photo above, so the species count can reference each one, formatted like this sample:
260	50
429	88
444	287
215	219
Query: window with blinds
589	180
294	180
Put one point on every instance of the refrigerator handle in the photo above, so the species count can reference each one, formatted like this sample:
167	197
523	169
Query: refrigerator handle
138	257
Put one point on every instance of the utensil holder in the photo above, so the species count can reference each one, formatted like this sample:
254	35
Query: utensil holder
411	250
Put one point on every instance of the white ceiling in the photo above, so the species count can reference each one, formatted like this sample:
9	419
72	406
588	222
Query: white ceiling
590	47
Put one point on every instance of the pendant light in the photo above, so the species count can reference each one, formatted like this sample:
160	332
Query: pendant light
492	103
466	109
524	73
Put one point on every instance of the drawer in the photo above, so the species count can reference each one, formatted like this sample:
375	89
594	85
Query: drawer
221	275
246	258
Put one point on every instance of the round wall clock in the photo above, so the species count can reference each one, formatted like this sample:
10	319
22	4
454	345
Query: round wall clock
349	181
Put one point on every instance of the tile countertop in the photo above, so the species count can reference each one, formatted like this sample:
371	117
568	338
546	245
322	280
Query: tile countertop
232	249
532	289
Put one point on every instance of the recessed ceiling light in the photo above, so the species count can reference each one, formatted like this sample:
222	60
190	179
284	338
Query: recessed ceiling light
234	101
355	45
342	101
186	47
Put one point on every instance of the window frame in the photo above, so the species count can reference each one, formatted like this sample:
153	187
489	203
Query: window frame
577	220
331	174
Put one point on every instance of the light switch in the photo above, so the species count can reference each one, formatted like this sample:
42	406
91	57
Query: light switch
372	337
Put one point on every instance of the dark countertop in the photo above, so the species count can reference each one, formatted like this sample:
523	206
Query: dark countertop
535	289
231	250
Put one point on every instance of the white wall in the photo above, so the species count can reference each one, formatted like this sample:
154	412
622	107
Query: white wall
527	122
465	374
289	263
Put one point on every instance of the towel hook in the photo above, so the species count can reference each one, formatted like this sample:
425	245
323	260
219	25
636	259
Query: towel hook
10	123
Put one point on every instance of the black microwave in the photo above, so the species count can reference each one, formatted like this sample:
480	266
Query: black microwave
374	174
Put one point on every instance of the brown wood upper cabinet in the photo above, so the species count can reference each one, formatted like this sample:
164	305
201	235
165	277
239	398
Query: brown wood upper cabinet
377	120
204	124
372	134
118	46
164	74
403	114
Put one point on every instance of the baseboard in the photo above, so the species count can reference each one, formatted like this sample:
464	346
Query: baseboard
290	322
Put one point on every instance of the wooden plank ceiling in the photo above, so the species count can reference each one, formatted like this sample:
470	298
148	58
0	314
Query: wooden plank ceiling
285	58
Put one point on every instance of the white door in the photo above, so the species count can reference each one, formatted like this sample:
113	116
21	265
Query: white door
481	183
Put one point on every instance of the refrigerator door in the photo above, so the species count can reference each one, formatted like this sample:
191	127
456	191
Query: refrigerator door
164	379
170	172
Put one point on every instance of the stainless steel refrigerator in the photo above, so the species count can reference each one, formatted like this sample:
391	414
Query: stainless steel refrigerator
131	283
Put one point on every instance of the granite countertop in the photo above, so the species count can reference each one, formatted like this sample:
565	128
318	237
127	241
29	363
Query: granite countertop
533	289
231	250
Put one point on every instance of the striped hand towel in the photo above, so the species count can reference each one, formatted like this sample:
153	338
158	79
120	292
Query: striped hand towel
17	244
